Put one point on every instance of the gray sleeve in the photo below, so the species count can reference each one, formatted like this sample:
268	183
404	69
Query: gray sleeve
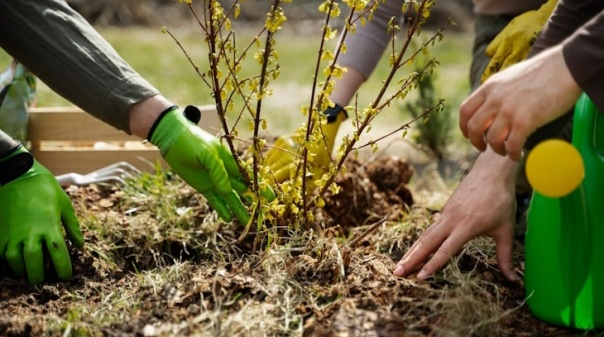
6	144
366	46
56	44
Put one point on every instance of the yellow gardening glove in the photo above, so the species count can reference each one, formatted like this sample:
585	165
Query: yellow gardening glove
514	42
285	149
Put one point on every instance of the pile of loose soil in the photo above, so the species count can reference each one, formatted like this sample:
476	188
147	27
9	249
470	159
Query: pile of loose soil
203	280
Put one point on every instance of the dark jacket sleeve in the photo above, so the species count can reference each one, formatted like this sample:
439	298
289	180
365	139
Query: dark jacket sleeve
579	26
56	44
584	55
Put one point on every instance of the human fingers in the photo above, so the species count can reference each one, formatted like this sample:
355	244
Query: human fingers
504	244
524	125
468	108
489	71
515	143
478	127
279	159
496	135
449	248
425	245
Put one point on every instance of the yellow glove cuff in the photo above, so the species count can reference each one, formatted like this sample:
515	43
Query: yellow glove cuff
333	112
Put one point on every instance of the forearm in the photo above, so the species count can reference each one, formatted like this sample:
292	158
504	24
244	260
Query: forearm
364	50
495	168
366	46
566	19
141	117
579	27
584	55
345	87
65	52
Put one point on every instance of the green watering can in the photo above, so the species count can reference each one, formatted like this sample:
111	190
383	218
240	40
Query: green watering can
564	243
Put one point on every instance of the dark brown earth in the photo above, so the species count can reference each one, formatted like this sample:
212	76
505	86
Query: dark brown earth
344	272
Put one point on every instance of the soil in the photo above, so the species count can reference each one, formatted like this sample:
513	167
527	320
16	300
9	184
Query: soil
347	270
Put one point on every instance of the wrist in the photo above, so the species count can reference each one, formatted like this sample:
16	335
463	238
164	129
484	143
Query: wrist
335	113
495	165
143	114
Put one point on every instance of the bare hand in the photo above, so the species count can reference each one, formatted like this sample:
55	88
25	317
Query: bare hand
483	204
512	104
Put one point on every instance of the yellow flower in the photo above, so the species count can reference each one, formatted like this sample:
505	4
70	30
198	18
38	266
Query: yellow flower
274	20
357	5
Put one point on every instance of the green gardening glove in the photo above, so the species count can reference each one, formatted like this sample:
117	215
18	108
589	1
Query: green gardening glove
202	161
514	42
32	208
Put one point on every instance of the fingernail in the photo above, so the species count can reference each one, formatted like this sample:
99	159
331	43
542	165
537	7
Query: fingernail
422	274
400	270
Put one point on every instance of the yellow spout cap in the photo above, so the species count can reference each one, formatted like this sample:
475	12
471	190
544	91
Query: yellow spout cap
555	168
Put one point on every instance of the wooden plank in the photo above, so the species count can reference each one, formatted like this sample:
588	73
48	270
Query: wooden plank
80	130
71	124
86	161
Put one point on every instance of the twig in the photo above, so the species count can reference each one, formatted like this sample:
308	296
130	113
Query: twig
405	126
368	231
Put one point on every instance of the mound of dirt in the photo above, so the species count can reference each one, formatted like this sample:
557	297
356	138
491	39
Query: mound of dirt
373	190
152	267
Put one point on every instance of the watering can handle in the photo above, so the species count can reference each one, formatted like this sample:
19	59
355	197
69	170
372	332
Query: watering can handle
587	123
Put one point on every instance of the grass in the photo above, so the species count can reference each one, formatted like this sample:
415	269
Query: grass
285	290
157	57
158	262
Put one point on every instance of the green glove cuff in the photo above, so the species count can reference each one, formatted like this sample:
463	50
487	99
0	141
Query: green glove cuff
168	127
332	113
159	119
14	164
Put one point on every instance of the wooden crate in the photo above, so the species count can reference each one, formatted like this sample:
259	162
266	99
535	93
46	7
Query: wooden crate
67	139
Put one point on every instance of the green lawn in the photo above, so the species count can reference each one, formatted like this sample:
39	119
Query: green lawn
157	57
